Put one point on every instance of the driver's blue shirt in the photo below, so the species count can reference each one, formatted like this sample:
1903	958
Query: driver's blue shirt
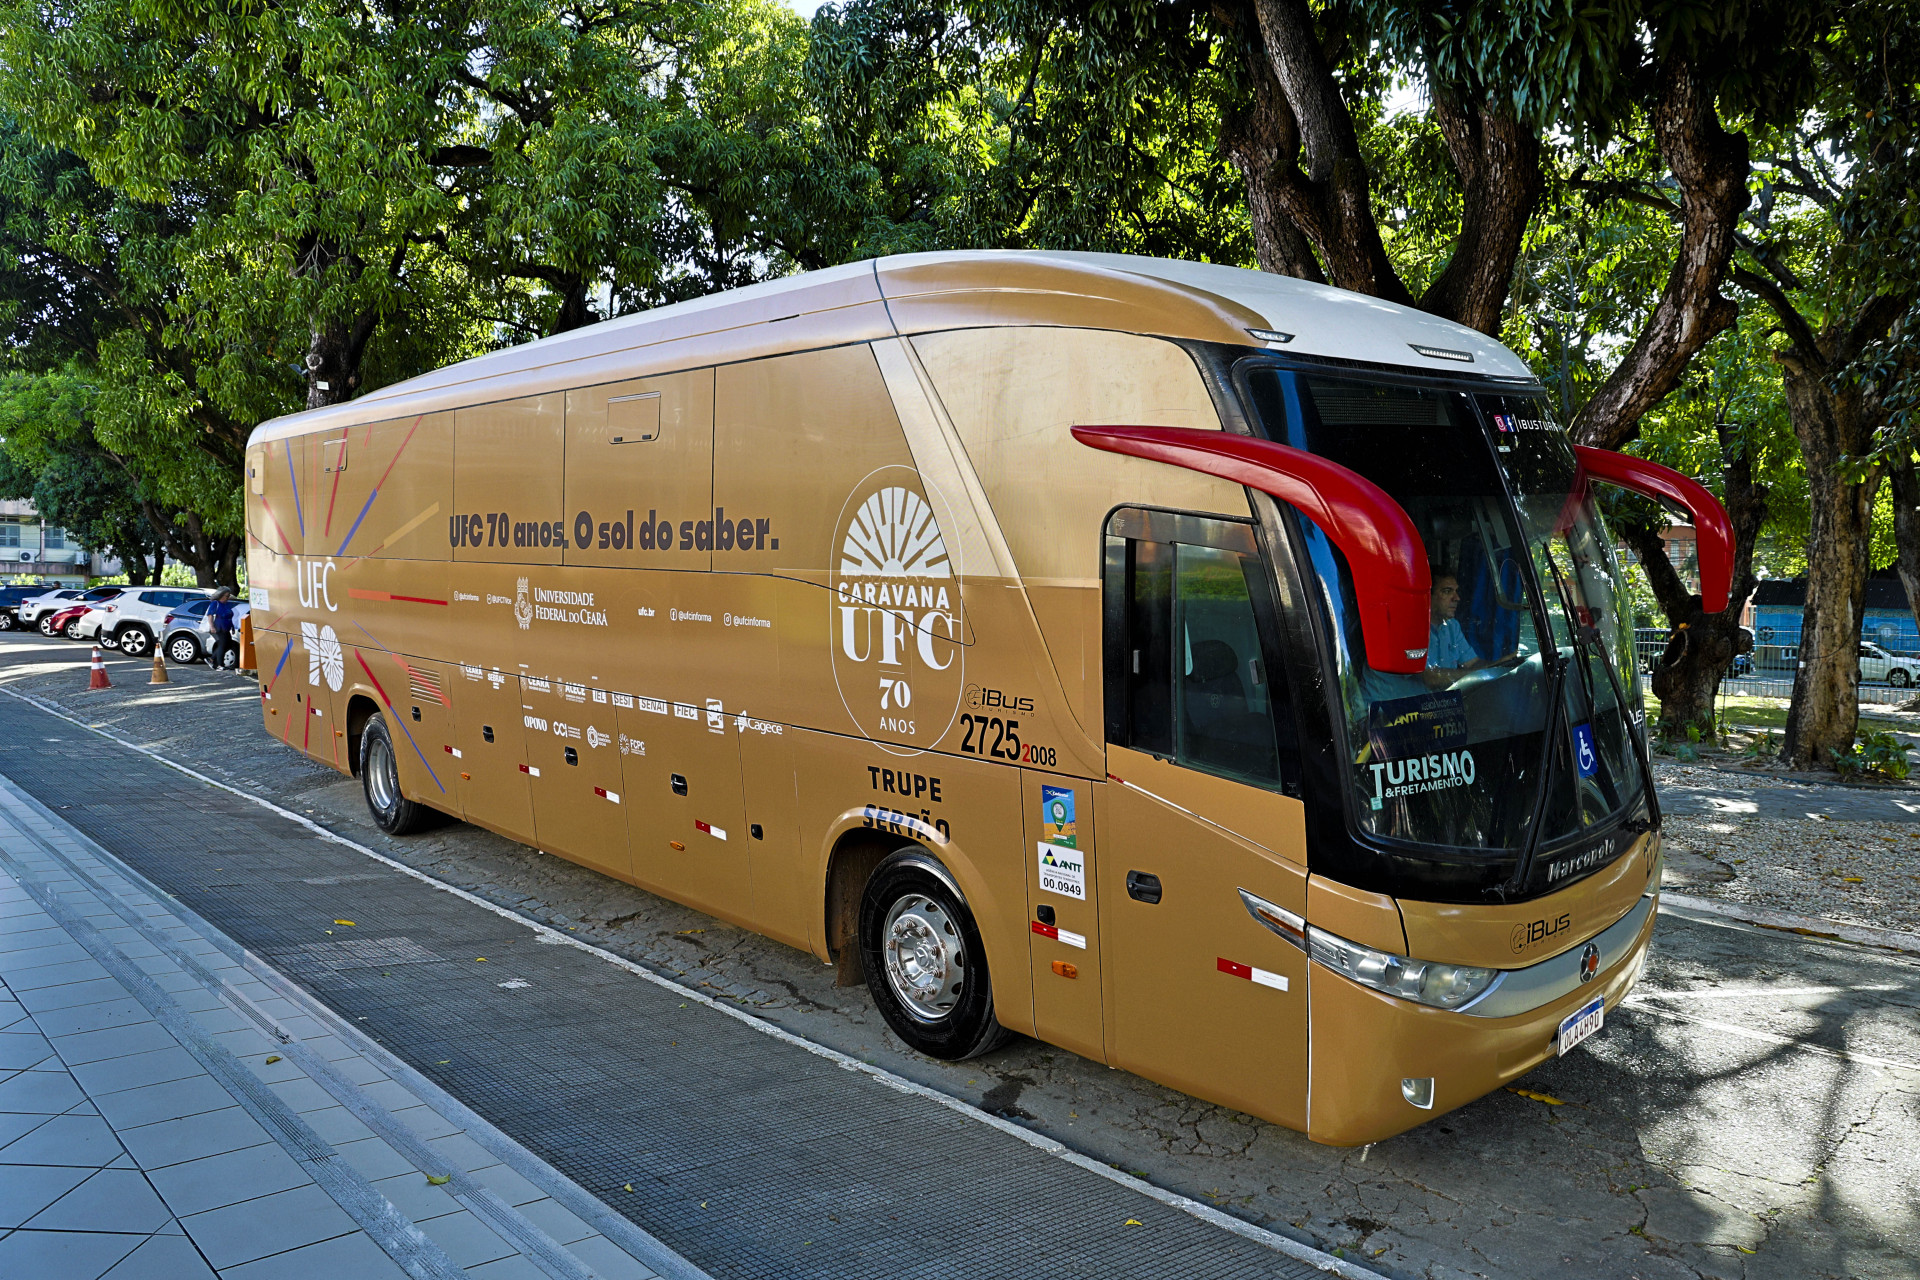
1447	647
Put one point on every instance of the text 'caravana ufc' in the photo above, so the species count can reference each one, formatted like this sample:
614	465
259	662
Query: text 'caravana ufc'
1436	772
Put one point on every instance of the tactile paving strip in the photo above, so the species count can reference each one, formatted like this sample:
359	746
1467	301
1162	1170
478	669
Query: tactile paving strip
750	1156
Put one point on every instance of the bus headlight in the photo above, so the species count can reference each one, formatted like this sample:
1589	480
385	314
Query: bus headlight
1444	986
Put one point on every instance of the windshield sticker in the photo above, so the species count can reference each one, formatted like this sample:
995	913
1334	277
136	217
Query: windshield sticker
1056	817
1063	871
1507	422
1443	771
1584	754
1413	726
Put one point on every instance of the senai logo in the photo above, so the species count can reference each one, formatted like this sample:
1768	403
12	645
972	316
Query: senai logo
897	615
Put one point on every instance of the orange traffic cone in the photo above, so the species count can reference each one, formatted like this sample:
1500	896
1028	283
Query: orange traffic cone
247	660
159	670
99	678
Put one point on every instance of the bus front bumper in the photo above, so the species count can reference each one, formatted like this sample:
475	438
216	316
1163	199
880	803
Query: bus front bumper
1366	1044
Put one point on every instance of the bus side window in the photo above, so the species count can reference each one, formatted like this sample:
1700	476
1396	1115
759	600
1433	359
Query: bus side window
1191	675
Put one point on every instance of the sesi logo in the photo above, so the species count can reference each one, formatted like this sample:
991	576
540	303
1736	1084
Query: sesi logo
897	617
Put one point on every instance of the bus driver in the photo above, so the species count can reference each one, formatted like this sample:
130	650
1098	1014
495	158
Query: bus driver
1449	655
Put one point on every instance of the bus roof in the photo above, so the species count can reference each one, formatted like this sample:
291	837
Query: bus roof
928	292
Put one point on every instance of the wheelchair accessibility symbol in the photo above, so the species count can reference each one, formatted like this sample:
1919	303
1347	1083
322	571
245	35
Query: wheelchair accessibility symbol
1583	753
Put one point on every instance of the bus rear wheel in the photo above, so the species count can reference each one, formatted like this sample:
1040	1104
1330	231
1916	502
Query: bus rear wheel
924	961
392	812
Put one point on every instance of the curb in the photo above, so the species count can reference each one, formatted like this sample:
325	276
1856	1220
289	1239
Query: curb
1279	1243
1809	926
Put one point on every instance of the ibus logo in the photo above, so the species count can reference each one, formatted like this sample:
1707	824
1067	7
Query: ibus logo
897	615
1534	932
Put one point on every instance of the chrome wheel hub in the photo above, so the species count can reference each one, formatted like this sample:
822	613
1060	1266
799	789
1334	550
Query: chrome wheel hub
926	966
380	776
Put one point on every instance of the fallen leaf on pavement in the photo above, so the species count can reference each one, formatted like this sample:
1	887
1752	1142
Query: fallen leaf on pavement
439	1180
1547	1098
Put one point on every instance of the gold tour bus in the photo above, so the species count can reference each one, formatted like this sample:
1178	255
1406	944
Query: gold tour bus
1214	674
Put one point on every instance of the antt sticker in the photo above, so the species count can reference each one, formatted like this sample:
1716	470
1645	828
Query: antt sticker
1063	871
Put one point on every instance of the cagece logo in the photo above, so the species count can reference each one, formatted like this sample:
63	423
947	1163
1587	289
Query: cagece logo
897	617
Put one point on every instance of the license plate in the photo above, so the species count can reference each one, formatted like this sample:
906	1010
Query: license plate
1581	1023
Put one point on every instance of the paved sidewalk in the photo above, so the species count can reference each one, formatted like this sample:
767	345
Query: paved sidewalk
169	1111
751	1153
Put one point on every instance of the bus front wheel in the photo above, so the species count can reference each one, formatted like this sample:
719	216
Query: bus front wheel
392	812
924	961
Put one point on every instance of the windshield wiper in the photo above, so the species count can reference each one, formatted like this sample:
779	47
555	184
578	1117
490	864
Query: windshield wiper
1587	639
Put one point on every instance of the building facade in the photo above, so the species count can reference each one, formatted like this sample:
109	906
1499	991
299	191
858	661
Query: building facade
31	550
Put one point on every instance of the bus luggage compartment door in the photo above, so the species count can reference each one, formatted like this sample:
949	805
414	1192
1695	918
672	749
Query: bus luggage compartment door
573	758
1201	996
487	711
689	816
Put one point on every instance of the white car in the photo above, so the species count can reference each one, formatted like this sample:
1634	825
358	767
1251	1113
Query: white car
34	608
133	619
1877	664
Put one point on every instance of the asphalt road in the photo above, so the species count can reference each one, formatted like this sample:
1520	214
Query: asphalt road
1752	1112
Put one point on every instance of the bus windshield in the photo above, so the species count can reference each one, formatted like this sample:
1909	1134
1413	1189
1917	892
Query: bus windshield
1529	686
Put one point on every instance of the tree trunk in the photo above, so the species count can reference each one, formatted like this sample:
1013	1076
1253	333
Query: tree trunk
334	353
1329	202
227	565
1498	160
1701	645
1832	428
1262	139
1711	167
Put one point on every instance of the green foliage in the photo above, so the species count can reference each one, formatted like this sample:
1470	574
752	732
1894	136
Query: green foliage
1878	755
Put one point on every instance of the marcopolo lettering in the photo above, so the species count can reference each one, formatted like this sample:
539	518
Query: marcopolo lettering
1437	771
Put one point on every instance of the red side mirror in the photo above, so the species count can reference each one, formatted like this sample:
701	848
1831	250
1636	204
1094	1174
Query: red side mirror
1391	579
1712	527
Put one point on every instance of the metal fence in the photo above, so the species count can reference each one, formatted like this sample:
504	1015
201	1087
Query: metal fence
1770	673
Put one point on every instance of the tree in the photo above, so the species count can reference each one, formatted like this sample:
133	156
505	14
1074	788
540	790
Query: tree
1838	275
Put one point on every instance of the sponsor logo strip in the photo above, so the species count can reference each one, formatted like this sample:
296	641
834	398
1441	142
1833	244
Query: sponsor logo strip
362	593
1259	977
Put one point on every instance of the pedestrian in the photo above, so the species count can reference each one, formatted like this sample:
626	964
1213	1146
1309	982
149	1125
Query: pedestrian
221	615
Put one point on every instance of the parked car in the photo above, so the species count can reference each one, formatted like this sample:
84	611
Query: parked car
10	598
1877	664
132	621
35	610
187	633
65	622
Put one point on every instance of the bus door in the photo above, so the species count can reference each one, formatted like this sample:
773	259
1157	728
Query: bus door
1201	994
573	772
690	829
492	764
1064	934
